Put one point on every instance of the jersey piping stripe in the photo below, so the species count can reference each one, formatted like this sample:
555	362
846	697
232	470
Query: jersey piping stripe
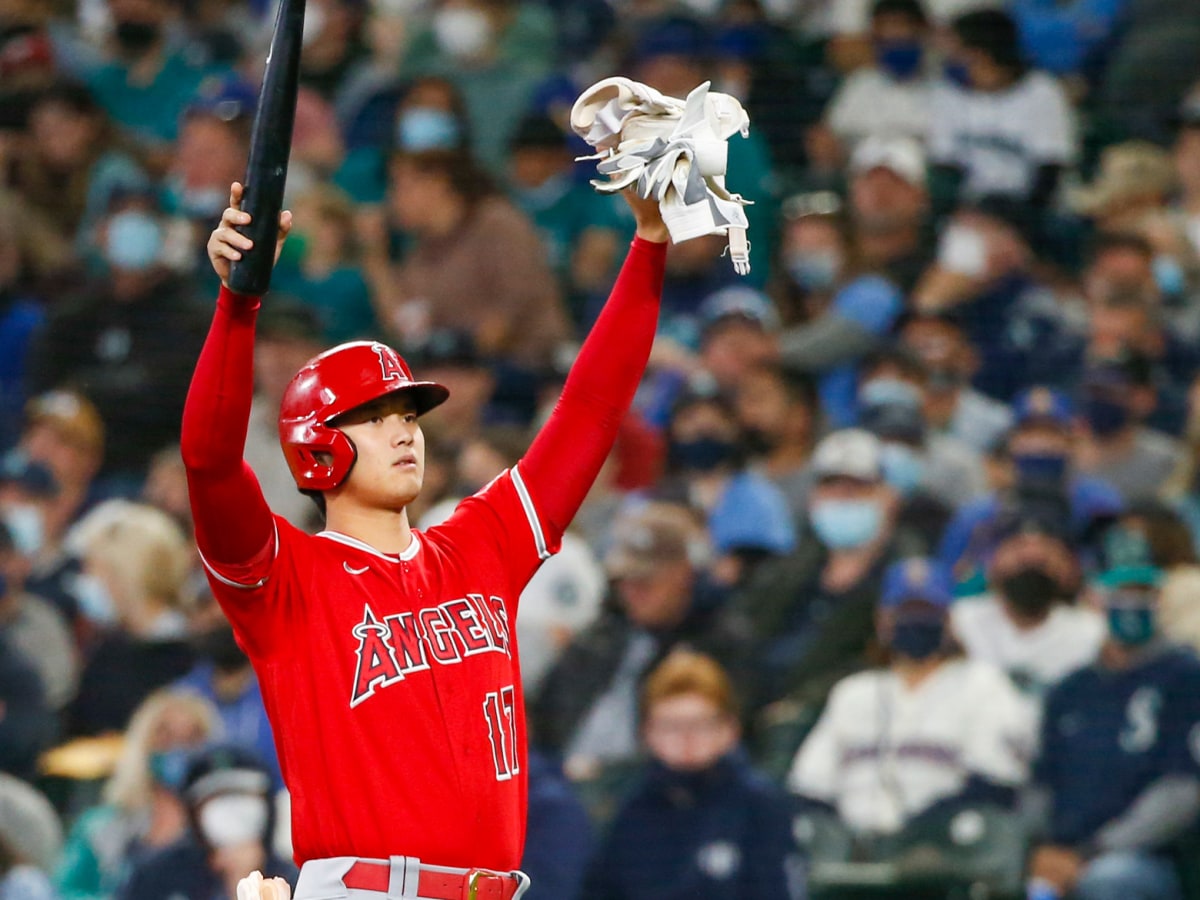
409	552
237	584
535	525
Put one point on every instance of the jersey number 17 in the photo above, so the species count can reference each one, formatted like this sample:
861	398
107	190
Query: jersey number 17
502	731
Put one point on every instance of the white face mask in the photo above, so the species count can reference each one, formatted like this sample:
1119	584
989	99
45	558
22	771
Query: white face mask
462	33
233	819
315	20
95	602
25	523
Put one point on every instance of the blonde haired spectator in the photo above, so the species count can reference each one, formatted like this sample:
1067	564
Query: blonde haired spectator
135	562
141	810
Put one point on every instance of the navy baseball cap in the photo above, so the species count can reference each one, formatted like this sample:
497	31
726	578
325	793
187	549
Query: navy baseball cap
1043	404
918	579
227	99
673	36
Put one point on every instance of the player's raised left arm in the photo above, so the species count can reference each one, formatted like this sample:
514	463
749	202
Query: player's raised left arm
567	453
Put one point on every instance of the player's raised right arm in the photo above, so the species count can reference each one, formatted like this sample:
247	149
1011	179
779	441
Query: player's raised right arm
232	520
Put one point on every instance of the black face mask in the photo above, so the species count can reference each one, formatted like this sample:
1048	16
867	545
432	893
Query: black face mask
703	454
1030	591
758	442
219	647
918	637
136	38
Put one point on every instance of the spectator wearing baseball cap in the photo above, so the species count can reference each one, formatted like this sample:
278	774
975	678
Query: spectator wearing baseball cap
1118	396
1038	457
1105	843
889	208
587	709
813	610
700	820
974	731
1028	622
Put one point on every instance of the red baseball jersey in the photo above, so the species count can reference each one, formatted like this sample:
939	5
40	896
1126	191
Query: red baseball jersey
392	682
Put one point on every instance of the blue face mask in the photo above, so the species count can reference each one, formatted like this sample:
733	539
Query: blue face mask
902	468
1105	417
1041	468
900	59
814	271
427	129
25	524
702	454
95	602
957	73
1131	624
168	767
918	637
846	524
134	241
1169	276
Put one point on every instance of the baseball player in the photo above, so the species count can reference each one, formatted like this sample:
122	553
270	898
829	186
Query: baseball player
387	655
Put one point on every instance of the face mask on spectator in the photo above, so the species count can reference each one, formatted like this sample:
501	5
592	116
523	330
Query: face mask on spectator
421	128
134	241
233	819
1041	468
962	250
902	468
1030	591
886	391
25	523
814	271
202	203
944	380
702	454
846	524
169	766
1105	417
136	38
315	20
1132	620
957	73
95	602
1169	276
900	59
917	636
462	33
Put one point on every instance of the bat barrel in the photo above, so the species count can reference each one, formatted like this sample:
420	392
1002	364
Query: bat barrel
270	147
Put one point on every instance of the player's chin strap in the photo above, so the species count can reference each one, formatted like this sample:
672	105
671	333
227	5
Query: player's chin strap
672	151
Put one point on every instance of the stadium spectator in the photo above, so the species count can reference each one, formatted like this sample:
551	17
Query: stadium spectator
997	128
813	610
701	823
22	313
779	414
891	97
1029	623
952	405
474	263
19	880
34	626
1186	161
1126	722
124	340
26	722
1115	444
135	562
227	795
558	836
141	810
923	736
587	709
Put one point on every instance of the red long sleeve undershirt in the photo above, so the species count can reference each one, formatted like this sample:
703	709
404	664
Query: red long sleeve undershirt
233	523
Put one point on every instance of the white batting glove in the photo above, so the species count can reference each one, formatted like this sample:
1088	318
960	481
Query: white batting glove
255	887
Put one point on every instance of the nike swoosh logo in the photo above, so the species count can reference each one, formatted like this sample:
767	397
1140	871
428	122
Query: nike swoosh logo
353	571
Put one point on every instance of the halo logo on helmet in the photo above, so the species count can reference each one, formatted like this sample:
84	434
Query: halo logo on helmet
330	385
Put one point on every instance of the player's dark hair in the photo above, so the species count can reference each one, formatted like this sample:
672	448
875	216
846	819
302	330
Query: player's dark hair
318	499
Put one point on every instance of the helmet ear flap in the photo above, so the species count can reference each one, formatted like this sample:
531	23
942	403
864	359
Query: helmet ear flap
320	458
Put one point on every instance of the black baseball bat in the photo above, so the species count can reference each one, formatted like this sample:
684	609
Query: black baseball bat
270	146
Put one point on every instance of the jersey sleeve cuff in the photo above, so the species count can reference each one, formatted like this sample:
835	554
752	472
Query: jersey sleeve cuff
250	575
238	303
545	549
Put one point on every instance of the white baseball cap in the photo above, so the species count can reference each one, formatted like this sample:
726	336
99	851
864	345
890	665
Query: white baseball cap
903	155
849	453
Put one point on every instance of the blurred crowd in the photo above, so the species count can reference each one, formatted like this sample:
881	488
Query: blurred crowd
897	553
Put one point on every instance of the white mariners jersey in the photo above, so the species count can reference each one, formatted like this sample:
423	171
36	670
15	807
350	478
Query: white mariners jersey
882	752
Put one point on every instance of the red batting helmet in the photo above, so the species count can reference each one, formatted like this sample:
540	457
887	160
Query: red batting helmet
334	383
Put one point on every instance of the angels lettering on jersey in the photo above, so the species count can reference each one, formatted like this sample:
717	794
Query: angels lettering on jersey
394	647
